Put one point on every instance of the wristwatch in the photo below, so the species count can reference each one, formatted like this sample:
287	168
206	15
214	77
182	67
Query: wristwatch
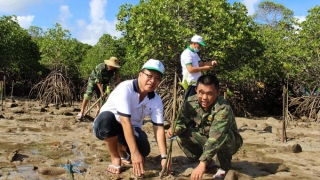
163	156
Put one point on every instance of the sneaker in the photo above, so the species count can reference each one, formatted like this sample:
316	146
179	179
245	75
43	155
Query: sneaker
220	174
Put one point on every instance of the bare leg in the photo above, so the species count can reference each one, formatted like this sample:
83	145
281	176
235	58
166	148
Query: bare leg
98	109
122	150
112	144
84	105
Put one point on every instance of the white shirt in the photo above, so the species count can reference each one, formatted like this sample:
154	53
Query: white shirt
124	101
189	57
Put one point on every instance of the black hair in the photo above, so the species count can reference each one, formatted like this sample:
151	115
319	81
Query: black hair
209	79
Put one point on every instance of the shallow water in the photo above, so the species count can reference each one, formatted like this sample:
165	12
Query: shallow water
23	171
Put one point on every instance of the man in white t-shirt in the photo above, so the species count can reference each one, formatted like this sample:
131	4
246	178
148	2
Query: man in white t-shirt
191	65
121	117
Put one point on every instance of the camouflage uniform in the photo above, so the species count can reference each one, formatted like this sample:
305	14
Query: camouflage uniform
202	135
101	75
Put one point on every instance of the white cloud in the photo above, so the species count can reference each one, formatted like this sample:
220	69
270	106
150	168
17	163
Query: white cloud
91	32
97	9
25	21
300	18
16	6
250	5
64	16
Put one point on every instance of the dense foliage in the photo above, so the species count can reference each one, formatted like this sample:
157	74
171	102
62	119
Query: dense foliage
19	55
270	48
106	47
163	29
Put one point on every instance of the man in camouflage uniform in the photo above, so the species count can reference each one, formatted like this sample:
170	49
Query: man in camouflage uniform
98	80
206	127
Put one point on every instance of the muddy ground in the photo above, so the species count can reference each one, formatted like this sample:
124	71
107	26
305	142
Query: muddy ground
37	141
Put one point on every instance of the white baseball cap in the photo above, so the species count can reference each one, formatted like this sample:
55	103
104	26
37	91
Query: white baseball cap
198	39
153	64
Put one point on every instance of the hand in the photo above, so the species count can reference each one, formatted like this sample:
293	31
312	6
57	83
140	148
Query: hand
163	165
198	171
169	133
137	163
214	63
207	68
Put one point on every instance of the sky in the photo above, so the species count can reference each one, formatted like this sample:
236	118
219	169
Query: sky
88	20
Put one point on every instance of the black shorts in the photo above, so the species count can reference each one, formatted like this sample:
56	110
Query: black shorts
190	92
106	126
93	87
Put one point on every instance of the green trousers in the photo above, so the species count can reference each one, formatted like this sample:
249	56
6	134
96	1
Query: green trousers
192	143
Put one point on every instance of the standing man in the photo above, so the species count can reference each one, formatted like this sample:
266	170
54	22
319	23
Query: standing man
98	80
120	120
207	127
192	65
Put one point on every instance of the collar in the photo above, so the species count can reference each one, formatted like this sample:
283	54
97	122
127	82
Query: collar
190	48
136	89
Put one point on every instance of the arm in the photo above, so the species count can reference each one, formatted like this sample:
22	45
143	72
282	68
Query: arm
100	88
98	77
192	69
187	60
124	110
160	138
158	129
136	158
117	77
129	134
209	63
158	126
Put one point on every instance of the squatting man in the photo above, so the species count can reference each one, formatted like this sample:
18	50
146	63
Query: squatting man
121	117
206	127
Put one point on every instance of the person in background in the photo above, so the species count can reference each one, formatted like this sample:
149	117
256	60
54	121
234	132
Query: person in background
98	80
207	127
120	120
192	65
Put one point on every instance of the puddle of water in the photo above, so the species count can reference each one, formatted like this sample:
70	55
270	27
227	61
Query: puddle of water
58	153
34	151
24	169
25	172
48	150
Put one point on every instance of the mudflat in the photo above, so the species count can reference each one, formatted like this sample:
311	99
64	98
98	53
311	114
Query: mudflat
37	141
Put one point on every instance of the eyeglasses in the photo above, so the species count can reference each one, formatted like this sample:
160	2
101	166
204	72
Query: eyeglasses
157	79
